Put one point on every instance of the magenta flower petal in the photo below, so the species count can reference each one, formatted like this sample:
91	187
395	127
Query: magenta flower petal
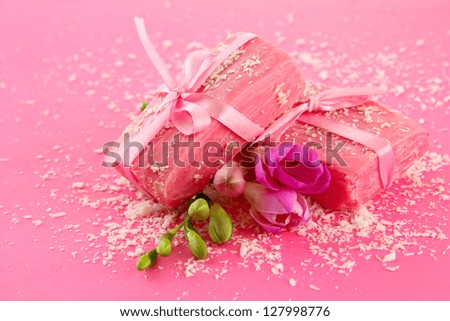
294	167
307	156
287	180
266	200
276	211
302	210
309	183
264	224
263	177
277	219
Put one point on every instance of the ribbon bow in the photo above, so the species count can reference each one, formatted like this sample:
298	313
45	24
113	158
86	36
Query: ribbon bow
187	111
191	112
334	99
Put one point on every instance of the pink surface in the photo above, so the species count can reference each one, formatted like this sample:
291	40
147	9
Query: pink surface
71	71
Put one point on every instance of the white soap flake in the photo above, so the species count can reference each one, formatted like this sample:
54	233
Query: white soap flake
420	42
389	257
56	215
78	185
313	287
323	74
72	78
167	44
37	222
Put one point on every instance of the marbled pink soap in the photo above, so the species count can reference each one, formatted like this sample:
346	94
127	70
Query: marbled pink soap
355	183
258	80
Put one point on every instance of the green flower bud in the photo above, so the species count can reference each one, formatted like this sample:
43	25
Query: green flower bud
196	244
220	226
199	209
164	246
146	260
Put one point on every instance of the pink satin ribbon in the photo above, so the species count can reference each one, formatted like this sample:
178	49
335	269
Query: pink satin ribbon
190	112
334	99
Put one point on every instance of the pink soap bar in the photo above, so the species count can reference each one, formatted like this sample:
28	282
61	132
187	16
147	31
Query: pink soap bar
258	80
358	181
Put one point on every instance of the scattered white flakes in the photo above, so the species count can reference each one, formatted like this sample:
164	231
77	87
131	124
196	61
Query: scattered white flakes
277	269
119	63
251	62
281	96
362	217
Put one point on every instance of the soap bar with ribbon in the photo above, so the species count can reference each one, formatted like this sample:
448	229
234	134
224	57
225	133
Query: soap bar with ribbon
231	94
365	144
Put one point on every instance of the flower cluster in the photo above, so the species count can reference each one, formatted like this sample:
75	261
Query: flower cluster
275	185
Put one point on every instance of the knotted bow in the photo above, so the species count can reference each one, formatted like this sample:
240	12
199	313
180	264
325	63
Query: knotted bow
334	99
188	112
191	112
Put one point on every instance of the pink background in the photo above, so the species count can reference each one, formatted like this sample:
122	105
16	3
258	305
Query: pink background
53	92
